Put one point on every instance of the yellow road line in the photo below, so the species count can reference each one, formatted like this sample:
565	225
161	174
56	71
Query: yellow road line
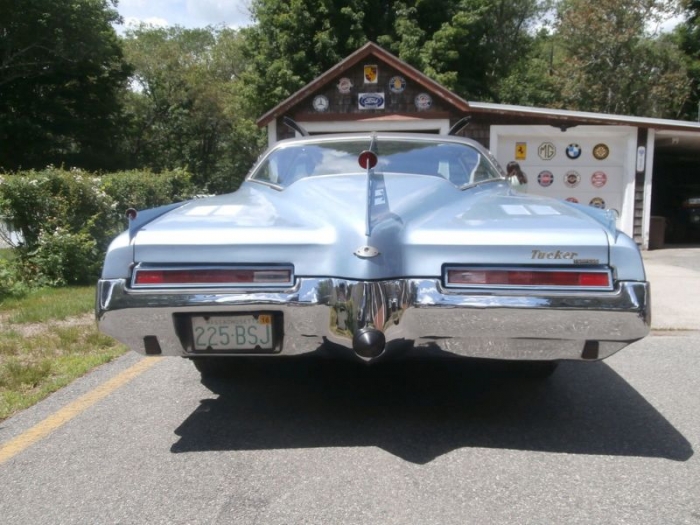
77	407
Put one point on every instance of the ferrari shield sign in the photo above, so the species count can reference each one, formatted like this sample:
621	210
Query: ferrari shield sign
520	150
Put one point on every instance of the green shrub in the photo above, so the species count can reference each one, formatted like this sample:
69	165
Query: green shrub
44	201
11	282
143	189
61	258
67	218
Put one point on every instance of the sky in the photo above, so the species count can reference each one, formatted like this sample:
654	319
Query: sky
201	13
186	13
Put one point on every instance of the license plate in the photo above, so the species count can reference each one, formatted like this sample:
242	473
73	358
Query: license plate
234	332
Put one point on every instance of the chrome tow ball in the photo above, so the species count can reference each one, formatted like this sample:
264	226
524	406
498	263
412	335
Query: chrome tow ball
368	343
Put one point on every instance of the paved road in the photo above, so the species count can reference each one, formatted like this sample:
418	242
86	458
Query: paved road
610	442
674	274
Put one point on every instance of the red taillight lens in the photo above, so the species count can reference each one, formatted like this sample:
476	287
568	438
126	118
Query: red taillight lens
212	277
485	277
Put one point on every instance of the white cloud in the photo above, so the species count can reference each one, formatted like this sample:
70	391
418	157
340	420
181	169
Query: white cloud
130	21
213	12
186	13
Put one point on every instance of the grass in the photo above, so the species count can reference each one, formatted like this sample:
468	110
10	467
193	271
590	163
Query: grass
46	304
40	354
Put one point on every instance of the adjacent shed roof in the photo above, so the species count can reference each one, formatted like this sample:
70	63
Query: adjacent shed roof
582	117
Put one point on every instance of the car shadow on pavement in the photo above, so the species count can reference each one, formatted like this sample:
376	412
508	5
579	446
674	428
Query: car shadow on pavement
420	410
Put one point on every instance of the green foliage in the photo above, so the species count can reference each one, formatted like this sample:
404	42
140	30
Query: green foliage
532	81
143	189
36	360
11	283
61	258
15	375
688	38
41	305
610	60
61	72
66	219
38	203
468	45
187	109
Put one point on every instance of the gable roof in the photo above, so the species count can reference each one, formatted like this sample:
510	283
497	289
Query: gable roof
370	49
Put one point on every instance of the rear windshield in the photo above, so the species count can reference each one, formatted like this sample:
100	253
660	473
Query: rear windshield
460	164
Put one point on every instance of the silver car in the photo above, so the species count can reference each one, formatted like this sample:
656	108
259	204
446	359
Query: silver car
375	246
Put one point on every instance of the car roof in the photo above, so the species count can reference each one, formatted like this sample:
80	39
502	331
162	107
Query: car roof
330	137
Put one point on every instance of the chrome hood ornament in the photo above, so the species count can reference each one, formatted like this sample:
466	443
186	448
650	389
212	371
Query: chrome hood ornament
366	252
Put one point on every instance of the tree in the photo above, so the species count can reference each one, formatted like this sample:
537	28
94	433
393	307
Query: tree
481	43
531	82
61	71
185	108
688	37
465	44
610	63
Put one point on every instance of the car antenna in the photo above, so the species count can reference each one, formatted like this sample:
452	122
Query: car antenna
290	123
460	125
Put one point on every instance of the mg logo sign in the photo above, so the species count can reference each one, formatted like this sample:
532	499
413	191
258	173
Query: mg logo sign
546	151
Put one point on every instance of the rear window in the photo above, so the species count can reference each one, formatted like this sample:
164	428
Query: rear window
460	164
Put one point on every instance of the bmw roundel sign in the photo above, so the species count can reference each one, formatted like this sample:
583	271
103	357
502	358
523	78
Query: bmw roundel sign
573	151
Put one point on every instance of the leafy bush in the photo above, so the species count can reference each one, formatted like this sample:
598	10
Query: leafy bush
65	219
11	282
61	258
143	189
37	201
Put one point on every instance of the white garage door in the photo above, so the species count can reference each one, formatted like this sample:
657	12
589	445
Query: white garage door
591	165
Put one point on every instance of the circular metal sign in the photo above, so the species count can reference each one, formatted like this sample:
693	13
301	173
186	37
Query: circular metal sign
320	103
597	202
545	179
397	84
573	151
423	101
598	179
572	178
345	86
601	151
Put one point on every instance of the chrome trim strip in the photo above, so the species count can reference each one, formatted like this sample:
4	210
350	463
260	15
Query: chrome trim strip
500	325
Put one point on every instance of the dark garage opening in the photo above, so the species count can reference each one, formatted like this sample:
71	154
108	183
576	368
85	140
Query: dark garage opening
675	195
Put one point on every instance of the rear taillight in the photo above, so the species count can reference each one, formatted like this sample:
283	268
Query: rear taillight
184	277
528	277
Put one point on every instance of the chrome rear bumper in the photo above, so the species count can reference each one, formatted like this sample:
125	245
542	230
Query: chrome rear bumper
508	324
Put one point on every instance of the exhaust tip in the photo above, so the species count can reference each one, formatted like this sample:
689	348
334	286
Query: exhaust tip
368	343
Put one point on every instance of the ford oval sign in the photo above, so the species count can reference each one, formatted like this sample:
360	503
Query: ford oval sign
370	100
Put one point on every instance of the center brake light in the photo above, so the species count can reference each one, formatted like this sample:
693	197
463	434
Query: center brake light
555	278
224	277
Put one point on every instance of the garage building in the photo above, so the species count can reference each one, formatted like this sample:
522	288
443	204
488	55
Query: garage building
642	167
